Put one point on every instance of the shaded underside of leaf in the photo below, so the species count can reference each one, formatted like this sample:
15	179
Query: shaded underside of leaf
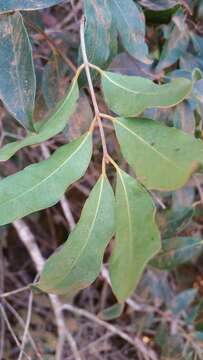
176	220
42	185
130	95
49	127
17	75
98	31
77	264
137	235
162	157
177	251
174	47
13	5
130	23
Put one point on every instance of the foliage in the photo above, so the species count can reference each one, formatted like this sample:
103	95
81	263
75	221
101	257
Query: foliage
154	101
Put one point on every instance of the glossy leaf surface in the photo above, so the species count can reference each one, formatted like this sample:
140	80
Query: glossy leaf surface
162	157
131	95
77	264
48	128
137	235
17	76
42	185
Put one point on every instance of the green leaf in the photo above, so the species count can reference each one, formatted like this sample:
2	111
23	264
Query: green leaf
182	301
162	157
42	185
177	251
177	44
177	220
17	75
13	5
49	127
77	264
137	235
131	95
112	312
130	23
99	32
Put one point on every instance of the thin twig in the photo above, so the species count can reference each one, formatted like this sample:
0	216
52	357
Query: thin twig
135	342
28	240
27	325
2	338
2	323
53	46
93	344
14	292
11	331
67	212
22	323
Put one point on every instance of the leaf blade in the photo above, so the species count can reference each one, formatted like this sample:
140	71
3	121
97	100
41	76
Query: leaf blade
42	185
137	236
98	31
48	128
17	76
177	251
13	5
78	263
130	23
130	95
163	158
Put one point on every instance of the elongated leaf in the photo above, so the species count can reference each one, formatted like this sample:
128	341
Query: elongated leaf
177	251
42	185
137	235
184	117
131	95
177	43
13	5
130	23
17	76
49	128
99	32
162	157
78	263
182	301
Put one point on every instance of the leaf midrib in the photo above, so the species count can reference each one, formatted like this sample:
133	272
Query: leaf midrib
15	57
88	236
150	146
129	217
144	92
46	178
126	22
